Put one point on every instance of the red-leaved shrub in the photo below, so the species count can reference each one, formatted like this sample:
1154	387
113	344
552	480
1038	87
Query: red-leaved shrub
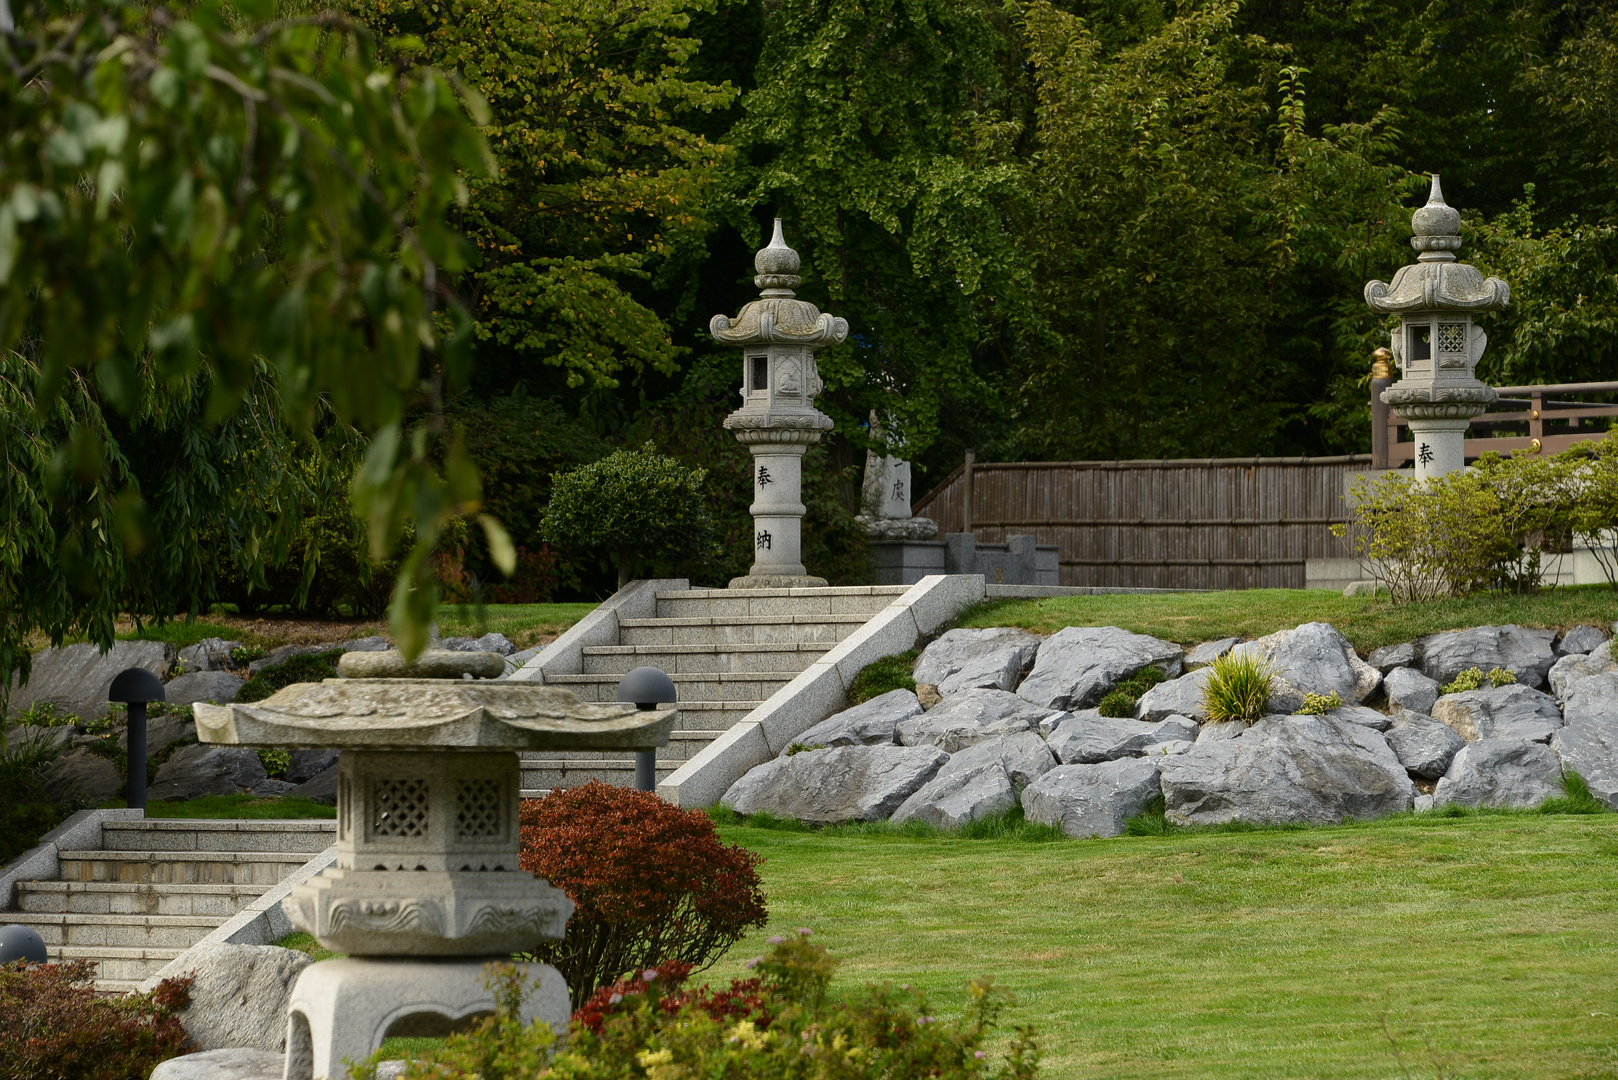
652	883
743	999
57	1028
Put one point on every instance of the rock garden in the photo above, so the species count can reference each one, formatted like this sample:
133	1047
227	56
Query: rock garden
1090	727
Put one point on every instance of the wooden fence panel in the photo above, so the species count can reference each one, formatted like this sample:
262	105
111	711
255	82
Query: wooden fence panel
1219	523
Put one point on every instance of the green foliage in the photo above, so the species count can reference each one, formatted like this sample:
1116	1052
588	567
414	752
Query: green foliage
1473	678
1239	688
636	508
786	1024
313	667
276	762
26	812
1320	704
306	943
242	655
1007	825
1501	677
1487	527
800	747
1576	798
600	179
203	209
884	675
1121	700
245	807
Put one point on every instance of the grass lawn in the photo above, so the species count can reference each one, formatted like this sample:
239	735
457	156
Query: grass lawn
1486	945
1366	621
245	807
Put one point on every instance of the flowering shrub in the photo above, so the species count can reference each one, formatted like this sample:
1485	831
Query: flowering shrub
782	1025
57	1028
652	883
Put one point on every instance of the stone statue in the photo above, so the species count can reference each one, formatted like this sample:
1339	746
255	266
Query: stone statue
885	498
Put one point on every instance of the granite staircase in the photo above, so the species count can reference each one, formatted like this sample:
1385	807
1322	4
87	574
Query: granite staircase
727	650
155	887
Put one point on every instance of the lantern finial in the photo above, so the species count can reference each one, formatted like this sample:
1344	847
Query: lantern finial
1437	227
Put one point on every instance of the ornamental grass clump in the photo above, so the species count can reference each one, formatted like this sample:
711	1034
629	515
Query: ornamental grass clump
652	883
1239	688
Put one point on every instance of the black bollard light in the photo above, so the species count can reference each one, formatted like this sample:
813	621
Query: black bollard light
646	688
134	688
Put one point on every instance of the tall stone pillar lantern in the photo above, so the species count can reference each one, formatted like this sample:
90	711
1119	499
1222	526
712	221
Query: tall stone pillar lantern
1438	343
778	420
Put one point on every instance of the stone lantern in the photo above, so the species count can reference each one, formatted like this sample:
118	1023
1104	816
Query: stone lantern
778	420
1438	343
427	888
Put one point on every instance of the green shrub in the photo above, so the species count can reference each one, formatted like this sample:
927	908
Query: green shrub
1122	698
637	508
44	714
1474	678
882	676
242	655
276	762
1239	688
781	1025
26	812
799	748
311	667
1320	704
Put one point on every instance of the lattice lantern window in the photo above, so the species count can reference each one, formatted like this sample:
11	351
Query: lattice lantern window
1452	344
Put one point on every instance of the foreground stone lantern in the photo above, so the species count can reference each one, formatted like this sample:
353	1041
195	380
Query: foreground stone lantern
1438	342
778	420
427	888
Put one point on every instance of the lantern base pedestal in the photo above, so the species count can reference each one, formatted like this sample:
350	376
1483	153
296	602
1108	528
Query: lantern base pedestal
777	581
341	1010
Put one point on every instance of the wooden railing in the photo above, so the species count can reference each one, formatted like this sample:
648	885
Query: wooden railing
1536	422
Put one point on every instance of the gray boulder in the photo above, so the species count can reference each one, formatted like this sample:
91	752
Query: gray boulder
1313	769
1425	747
1570	669
1500	772
1410	690
308	764
320	788
195	771
218	687
1364	716
1209	651
287	652
232	1064
1024	757
239	996
374	643
867	724
1232	729
1092	800
1580	639
1313	659
1078	666
491	642
950	801
1528	653
968	717
518	660
1177	697
82	774
1588	744
1174	746
1500	712
75	678
271	788
1090	738
162	730
1048	724
209	654
841	783
970	659
1389	657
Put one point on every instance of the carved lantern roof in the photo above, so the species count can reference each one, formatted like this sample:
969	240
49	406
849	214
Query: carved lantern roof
1437	282
778	317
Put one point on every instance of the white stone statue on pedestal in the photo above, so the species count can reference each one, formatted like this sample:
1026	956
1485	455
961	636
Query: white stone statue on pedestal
885	498
1438	343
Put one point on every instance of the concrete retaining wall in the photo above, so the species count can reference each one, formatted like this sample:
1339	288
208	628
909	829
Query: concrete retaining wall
821	690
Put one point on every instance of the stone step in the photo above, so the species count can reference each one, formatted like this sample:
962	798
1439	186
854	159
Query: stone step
117	931
134	898
718	603
540	777
713	716
175	834
740	630
788	657
682	746
262	868
740	686
116	967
